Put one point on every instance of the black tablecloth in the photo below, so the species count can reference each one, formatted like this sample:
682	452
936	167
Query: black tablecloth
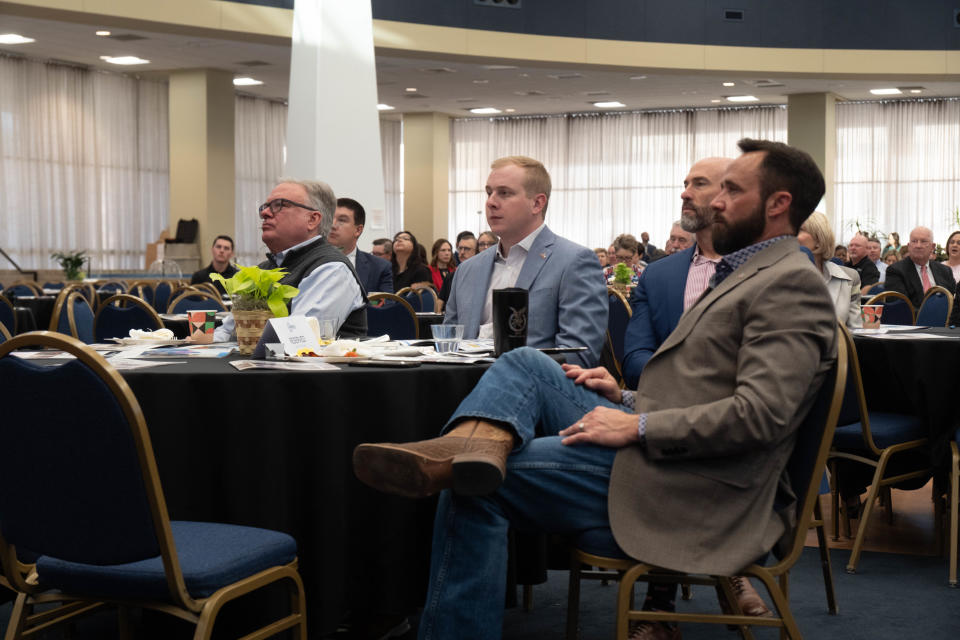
37	314
916	377
273	449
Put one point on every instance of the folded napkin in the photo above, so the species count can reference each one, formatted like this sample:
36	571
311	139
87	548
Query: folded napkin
159	334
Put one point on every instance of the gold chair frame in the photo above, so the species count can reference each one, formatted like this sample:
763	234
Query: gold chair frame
86	289
373	297
881	298
775	578
932	291
33	286
13	313
129	300
880	462
611	291
3	331
954	505
417	288
66	298
187	292
201	612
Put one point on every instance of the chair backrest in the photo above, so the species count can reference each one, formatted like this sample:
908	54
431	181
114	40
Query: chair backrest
114	320
428	299
161	296
4	334
897	308
8	316
875	289
935	308
86	289
113	285
53	285
193	299
394	317
814	437
72	316
23	288
98	499
617	321
412	298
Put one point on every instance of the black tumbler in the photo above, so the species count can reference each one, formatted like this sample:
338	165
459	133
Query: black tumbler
509	319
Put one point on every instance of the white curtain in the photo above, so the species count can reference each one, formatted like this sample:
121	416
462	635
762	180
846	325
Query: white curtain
83	164
391	151
898	166
612	173
259	149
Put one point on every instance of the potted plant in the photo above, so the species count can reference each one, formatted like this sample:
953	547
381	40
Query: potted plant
71	262
257	296
622	278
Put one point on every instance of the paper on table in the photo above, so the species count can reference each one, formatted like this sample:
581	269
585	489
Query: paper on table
127	364
244	365
913	336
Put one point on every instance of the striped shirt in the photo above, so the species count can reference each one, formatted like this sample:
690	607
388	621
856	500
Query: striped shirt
698	277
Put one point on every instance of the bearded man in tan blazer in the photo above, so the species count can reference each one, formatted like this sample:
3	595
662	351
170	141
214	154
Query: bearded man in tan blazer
687	477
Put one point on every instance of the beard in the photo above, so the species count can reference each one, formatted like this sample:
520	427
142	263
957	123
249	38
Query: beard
697	219
733	236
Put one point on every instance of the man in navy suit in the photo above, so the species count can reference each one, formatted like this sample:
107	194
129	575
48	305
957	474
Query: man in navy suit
348	221
916	273
567	297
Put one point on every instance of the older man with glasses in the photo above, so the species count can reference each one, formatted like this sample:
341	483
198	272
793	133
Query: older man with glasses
294	221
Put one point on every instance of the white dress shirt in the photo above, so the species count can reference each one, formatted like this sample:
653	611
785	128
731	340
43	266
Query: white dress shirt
506	270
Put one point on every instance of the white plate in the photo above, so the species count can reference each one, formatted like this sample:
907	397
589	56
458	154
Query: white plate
146	342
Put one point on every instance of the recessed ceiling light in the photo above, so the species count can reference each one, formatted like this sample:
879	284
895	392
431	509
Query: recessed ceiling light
384	107
411	89
103	32
729	84
482	111
14	38
715	100
509	110
124	60
638	77
498	67
246	82
742	98
915	90
891	91
609	104
481	82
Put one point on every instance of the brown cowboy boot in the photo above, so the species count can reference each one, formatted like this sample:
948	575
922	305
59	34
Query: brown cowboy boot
471	459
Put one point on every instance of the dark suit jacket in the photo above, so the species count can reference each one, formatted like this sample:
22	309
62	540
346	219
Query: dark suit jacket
902	276
657	305
375	273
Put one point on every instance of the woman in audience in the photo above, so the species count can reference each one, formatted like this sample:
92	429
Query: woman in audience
840	252
842	283
486	240
408	267
893	242
953	254
890	257
441	265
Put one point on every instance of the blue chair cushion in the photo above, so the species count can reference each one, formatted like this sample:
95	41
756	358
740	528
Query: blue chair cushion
211	556
888	429
600	542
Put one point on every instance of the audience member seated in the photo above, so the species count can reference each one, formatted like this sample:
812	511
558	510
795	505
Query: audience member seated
466	247
626	251
690	476
843	283
294	221
601	254
222	251
348	222
486	240
873	250
647	252
953	254
408	265
679	239
893	242
861	263
890	257
916	273
840	253
382	248
441	262
567	300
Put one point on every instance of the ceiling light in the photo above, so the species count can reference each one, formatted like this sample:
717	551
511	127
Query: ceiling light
915	90
509	110
742	98
892	91
498	67
481	82
729	84
411	89
246	82
638	77
14	38
715	100
482	111
125	60
609	104
384	107
103	32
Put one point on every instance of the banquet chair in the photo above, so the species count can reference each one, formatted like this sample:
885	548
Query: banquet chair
143	289
191	299
8	316
97	517
54	285
4	334
161	296
871	438
597	548
122	312
429	299
112	285
86	289
617	321
897	308
936	307
72	316
23	288
209	287
412	298
875	289
394	317
954	504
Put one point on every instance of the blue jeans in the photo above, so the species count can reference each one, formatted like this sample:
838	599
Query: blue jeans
549	487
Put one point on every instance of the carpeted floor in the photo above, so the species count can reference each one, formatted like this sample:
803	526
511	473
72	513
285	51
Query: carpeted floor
893	597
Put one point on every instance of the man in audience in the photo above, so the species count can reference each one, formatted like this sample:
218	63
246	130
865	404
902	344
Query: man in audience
861	263
626	251
648	252
916	273
293	222
222	252
348	221
679	239
567	300
693	477
873	250
382	248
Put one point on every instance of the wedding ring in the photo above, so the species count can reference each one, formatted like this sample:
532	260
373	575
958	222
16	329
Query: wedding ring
582	427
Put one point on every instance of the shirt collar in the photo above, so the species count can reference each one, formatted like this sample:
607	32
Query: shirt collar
733	261
280	255
698	259
526	243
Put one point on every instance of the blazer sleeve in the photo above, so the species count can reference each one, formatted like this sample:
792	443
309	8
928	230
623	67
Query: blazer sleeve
895	280
640	340
854	319
582	309
386	276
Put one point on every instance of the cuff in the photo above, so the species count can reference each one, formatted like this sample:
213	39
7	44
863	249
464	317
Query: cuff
642	430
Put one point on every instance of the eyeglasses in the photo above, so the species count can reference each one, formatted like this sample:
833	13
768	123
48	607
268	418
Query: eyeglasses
484	245
277	204
461	249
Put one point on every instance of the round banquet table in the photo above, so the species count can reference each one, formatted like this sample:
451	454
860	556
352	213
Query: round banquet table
273	449
916	376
